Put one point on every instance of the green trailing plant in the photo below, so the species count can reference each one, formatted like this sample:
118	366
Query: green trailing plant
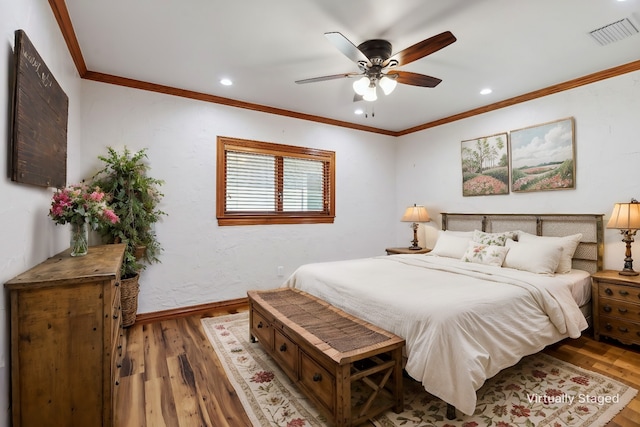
134	197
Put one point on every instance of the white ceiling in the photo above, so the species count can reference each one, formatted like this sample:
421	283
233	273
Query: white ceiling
512	46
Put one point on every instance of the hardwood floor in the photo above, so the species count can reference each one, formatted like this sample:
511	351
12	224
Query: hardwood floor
171	376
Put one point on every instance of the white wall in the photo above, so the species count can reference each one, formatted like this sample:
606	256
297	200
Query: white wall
607	135
28	235
201	261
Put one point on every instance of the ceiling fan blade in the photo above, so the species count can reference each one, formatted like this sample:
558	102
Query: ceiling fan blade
346	47
357	98
415	79
423	48
323	78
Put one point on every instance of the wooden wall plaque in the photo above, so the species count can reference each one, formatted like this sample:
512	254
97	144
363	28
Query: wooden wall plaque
40	111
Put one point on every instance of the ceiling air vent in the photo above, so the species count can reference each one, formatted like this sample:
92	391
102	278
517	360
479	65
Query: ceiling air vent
614	32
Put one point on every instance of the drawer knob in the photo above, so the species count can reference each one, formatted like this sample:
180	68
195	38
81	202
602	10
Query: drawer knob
117	283
317	377
260	325
624	293
622	329
283	347
622	310
606	309
115	316
608	327
608	291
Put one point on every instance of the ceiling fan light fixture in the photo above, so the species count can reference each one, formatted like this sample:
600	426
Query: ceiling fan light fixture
387	84
361	85
370	94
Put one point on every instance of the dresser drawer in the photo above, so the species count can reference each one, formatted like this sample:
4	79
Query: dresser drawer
262	329
620	309
619	292
623	330
286	351
314	377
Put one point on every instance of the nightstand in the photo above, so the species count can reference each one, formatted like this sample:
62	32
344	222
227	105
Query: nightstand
616	306
406	250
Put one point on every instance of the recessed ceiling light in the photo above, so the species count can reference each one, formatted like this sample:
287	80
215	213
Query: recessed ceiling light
485	91
359	111
226	82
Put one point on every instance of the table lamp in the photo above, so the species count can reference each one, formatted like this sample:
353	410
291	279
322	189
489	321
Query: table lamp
626	218
415	214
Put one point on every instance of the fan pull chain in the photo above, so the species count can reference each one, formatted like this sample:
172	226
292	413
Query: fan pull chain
373	113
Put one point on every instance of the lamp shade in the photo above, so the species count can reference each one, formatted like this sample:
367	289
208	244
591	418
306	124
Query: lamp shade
416	214
370	93
625	216
387	84
360	86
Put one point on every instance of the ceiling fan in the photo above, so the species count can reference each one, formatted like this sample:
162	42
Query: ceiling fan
377	64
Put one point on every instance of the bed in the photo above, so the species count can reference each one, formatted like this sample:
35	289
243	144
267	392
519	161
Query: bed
464	321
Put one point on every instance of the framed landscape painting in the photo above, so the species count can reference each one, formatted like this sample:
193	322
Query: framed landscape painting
485	166
543	157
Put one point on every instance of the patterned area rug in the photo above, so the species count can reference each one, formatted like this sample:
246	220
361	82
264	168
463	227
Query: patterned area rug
539	391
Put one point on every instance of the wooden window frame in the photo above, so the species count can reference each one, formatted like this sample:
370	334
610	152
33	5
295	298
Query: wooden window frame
277	217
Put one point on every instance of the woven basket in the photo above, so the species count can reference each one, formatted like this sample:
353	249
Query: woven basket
129	290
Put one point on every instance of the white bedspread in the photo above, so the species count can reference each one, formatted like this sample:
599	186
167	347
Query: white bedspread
462	322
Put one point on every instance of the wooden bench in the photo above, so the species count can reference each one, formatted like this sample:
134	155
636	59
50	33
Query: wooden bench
325	350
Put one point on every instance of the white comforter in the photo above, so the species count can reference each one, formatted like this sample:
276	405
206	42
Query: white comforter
462	322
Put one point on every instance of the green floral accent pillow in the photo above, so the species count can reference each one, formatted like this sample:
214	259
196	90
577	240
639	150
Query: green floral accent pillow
495	239
485	254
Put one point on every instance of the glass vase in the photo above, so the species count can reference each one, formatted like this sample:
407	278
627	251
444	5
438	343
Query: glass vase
79	239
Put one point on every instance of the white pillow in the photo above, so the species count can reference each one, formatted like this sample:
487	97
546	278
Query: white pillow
497	239
537	257
451	245
485	254
568	243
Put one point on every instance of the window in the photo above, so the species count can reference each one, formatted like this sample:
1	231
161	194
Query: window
265	183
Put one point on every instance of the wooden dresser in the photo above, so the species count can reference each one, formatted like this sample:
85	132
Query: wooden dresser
66	340
616	306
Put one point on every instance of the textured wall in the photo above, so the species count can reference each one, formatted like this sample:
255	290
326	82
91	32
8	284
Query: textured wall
28	235
607	156
203	262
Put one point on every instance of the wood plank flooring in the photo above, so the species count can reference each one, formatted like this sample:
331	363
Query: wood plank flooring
171	376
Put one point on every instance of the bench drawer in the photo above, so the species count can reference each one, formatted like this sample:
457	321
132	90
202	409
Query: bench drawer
315	377
262	329
286	351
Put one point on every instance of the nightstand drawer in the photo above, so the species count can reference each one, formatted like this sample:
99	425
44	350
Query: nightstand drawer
622	330
619	309
620	292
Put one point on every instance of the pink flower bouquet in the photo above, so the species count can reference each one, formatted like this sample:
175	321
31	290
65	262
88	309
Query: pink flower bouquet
77	204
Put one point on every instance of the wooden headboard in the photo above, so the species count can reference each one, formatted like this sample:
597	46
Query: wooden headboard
590	250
